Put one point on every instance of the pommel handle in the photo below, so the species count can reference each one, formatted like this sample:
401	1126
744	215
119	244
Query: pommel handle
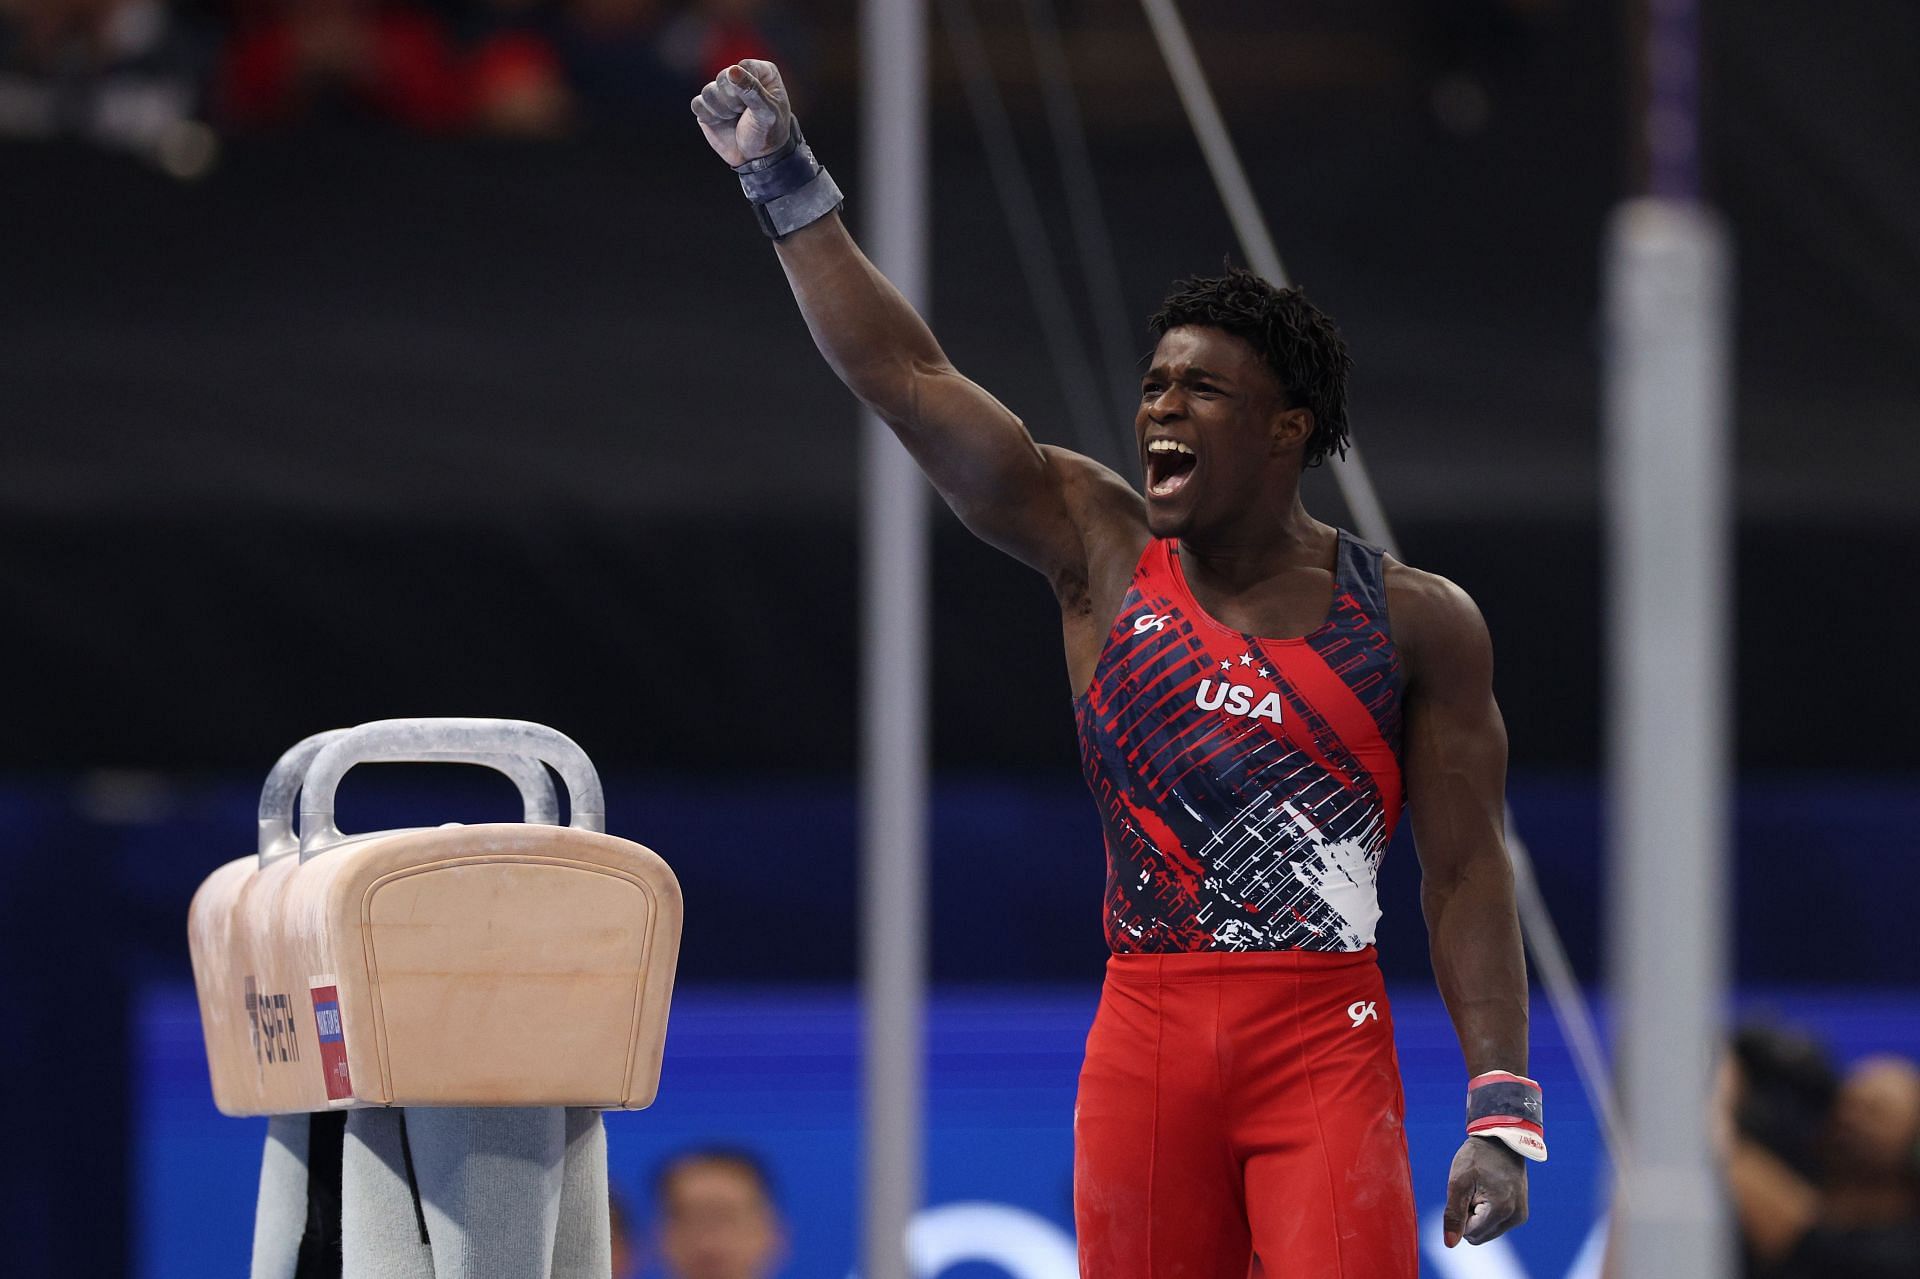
538	800
514	747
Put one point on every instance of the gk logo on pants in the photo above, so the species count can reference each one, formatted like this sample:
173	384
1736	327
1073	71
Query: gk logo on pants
1362	1009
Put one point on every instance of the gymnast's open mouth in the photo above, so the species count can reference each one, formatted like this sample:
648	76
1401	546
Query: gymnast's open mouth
1170	463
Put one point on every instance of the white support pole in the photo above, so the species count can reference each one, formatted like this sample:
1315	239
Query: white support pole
1668	476
893	692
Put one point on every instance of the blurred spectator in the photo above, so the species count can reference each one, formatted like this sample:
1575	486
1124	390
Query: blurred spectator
1824	1175
716	1217
515	77
307	61
128	73
125	74
711	35
518	87
609	53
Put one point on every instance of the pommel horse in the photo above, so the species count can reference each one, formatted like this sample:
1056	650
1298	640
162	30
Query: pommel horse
433	1018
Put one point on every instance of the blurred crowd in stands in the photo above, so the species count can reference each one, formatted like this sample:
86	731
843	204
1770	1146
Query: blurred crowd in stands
166	79
1822	1165
144	75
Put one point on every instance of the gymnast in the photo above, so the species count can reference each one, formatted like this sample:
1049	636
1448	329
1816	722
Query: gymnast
1257	694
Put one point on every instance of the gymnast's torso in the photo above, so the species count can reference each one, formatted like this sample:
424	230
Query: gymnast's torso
1247	786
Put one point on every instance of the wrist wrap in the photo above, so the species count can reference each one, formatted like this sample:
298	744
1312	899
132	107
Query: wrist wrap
1508	1109
788	188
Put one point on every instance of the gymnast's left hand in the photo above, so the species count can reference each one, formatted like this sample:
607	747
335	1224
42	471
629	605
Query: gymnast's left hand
1486	1192
744	112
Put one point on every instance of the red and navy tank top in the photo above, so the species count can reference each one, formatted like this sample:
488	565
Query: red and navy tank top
1247	786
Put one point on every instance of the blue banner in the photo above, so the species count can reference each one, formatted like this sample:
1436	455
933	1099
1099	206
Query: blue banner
776	1070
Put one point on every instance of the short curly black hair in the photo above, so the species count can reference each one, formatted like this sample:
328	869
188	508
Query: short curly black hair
1301	344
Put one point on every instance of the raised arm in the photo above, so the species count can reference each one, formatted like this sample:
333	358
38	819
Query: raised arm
1455	758
978	455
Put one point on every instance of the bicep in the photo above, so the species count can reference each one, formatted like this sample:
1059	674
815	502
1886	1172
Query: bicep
974	450
984	463
1007	489
1455	740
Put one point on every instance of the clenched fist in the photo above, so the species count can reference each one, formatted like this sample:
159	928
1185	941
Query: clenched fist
1486	1192
744	112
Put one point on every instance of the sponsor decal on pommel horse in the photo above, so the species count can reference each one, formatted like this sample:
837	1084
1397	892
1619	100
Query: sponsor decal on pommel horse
506	964
333	1038
274	1038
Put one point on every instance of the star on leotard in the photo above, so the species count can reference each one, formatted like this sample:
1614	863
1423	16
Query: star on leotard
1265	673
1246	659
1226	666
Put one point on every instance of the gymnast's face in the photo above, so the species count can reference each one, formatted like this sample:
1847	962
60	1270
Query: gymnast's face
1215	432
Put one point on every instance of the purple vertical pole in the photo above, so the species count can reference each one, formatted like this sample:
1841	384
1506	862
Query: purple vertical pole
1671	125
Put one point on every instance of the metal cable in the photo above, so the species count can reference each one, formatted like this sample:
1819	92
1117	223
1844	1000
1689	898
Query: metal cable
1039	266
1099	267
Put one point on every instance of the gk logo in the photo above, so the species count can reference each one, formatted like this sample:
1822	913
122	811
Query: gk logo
1151	622
1362	1009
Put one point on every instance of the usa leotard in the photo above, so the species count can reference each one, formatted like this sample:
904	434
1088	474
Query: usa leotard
1240	1095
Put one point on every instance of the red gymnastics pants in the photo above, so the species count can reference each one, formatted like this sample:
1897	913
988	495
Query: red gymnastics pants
1235	1106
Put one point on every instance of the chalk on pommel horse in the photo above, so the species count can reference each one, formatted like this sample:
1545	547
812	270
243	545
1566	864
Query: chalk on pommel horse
503	983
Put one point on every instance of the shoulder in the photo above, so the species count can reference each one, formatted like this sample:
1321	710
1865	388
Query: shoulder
1111	518
1094	488
1436	625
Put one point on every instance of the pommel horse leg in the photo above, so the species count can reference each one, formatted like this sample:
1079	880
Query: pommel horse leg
505	1193
380	1229
583	1249
280	1217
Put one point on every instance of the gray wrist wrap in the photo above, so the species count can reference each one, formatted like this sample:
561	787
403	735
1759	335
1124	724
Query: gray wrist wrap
788	188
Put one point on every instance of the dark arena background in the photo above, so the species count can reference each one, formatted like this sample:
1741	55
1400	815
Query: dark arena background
322	410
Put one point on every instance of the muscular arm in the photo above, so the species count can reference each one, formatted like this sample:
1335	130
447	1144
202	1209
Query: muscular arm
978	455
1456	768
1454	754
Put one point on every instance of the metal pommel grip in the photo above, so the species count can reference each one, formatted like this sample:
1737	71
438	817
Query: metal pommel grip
514	747
1508	1109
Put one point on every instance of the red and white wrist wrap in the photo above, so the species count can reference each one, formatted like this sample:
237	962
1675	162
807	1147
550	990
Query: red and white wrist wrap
1508	1109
